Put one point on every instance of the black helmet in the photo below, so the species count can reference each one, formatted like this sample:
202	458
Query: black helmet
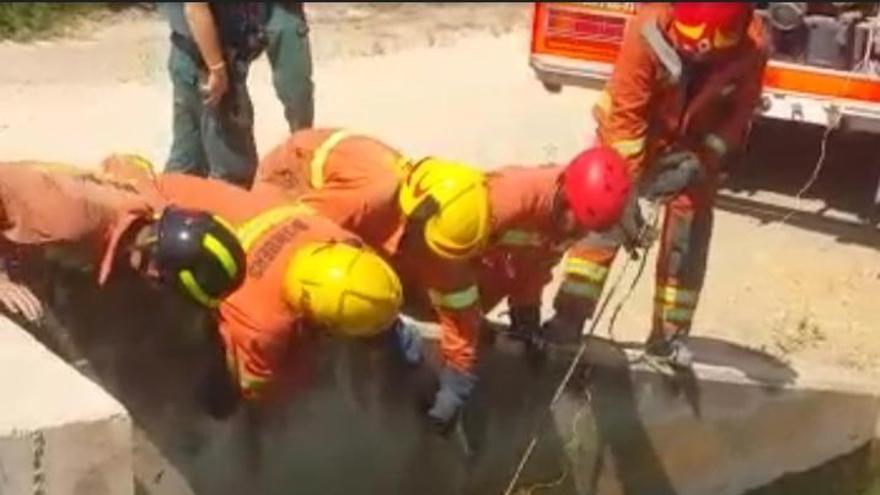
199	253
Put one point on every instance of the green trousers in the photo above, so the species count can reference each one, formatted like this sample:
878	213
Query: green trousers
219	143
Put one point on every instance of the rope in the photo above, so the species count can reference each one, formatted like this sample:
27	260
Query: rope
834	121
652	226
832	124
533	443
817	168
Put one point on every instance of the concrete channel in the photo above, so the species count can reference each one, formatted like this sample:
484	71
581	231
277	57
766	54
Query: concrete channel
740	422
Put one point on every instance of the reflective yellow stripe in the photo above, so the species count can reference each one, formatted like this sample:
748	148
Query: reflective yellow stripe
195	290
222	221
677	315
586	269
455	300
520	238
586	290
222	254
252	384
629	147
691	31
676	296
604	102
260	224
316	166
142	163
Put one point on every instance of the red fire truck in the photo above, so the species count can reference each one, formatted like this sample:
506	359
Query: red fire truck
824	68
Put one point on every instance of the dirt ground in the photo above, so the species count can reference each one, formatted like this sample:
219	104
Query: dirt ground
453	79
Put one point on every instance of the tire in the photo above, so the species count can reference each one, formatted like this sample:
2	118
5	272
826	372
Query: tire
552	87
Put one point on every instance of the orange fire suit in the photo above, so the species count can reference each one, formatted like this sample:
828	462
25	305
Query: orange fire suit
524	246
354	180
654	104
351	179
80	214
263	336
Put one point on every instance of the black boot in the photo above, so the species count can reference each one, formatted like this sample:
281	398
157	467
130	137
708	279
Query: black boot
672	351
563	328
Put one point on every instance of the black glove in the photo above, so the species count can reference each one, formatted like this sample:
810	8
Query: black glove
525	326
524	320
633	232
676	172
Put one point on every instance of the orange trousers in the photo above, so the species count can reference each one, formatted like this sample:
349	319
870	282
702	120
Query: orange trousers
680	270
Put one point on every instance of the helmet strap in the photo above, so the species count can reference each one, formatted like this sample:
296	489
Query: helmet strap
143	238
559	207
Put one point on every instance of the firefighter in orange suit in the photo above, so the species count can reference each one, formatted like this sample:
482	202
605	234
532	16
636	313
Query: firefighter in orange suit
679	102
351	178
93	221
435	219
304	273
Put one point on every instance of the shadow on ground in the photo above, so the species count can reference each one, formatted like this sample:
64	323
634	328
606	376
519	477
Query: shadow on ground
855	473
354	425
781	159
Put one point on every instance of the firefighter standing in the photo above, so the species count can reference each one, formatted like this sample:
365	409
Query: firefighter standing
435	219
679	102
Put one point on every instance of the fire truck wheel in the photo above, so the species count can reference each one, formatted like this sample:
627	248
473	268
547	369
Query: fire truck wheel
552	87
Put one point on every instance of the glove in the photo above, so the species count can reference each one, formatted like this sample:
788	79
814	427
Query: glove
524	321
406	339
455	389
632	231
677	172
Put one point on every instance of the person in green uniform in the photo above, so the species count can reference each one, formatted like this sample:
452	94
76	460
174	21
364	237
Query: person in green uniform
212	47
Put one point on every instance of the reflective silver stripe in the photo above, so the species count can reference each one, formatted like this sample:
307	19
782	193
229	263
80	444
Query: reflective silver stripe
676	315
629	147
581	289
520	238
716	144
262	223
455	300
586	269
676	296
604	102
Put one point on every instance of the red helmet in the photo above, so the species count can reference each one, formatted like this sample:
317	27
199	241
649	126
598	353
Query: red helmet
702	27
596	185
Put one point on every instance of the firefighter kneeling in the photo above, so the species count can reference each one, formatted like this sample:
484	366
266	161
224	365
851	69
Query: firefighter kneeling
437	221
304	274
92	221
473	239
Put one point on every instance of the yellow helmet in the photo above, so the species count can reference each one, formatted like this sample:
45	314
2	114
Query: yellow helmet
348	289
453	201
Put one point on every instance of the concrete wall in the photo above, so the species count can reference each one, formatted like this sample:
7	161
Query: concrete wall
353	425
733	426
60	434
